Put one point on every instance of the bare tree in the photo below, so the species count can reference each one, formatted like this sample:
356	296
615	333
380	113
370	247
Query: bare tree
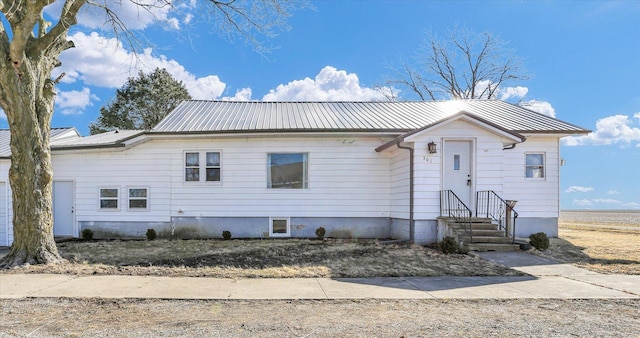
466	66
30	47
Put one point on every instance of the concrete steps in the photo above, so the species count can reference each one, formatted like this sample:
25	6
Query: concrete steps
486	236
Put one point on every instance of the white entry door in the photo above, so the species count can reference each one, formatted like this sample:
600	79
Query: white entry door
63	209
457	174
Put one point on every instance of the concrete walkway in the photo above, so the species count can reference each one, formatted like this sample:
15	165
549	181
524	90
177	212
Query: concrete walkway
548	280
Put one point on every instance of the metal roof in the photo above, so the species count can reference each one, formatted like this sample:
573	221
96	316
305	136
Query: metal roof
196	116
56	134
110	138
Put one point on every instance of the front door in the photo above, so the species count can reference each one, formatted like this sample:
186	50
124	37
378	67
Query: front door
457	174
63	208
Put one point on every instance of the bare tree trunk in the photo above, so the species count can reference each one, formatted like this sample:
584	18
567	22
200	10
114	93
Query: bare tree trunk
30	93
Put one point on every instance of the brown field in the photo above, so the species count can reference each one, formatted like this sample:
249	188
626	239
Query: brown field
602	241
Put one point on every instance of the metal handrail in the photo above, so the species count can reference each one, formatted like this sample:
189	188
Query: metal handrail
451	206
491	205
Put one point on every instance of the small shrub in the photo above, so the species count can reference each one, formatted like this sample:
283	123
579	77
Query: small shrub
87	234
226	235
448	245
151	234
320	232
539	240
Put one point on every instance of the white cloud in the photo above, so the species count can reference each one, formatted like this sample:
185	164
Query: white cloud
330	84
632	205
512	92
74	101
243	94
116	64
594	201
613	192
541	107
576	188
617	129
133	16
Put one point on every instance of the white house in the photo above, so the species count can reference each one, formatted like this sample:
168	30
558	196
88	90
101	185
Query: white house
283	169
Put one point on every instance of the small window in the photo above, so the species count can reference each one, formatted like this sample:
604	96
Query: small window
456	162
287	171
195	172
534	165
109	199
138	199
279	227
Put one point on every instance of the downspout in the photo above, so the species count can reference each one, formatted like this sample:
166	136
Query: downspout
412	225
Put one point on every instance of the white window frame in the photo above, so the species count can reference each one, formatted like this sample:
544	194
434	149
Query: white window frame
129	198
117	199
287	220
202	166
305	171
544	166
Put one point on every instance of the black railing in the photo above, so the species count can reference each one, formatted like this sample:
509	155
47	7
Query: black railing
451	206
490	205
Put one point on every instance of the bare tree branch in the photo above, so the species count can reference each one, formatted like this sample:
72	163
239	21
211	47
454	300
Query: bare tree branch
469	66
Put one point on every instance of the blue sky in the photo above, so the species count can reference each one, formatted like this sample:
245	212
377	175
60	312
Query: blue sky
583	59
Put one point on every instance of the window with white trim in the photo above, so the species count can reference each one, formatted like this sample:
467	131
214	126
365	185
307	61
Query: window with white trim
534	165
279	227
109	198
287	171
202	166
138	199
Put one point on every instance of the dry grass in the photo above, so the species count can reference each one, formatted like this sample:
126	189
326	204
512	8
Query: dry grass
282	258
604	242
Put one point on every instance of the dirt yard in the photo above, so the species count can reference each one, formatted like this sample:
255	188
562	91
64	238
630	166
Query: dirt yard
275	258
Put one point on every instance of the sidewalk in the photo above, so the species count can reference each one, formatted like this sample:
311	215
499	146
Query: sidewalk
548	280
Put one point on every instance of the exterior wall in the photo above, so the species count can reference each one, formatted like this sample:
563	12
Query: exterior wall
538	198
348	181
487	159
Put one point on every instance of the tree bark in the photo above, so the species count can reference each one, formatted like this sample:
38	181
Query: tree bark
30	94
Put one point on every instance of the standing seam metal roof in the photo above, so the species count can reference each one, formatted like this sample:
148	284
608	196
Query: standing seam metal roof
196	116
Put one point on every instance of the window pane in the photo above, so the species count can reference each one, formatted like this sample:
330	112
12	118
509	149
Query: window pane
279	226
456	162
213	159
534	159
108	204
137	204
213	174
192	174
137	192
535	172
108	192
192	159
288	171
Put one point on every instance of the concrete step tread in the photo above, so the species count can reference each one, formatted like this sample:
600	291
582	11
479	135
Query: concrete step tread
492	247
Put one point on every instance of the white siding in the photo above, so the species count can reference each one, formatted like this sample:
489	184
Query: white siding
400	184
536	197
4	231
347	178
487	162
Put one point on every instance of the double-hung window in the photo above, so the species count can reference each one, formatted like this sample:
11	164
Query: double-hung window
202	166
108	198
287	171
534	165
138	199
